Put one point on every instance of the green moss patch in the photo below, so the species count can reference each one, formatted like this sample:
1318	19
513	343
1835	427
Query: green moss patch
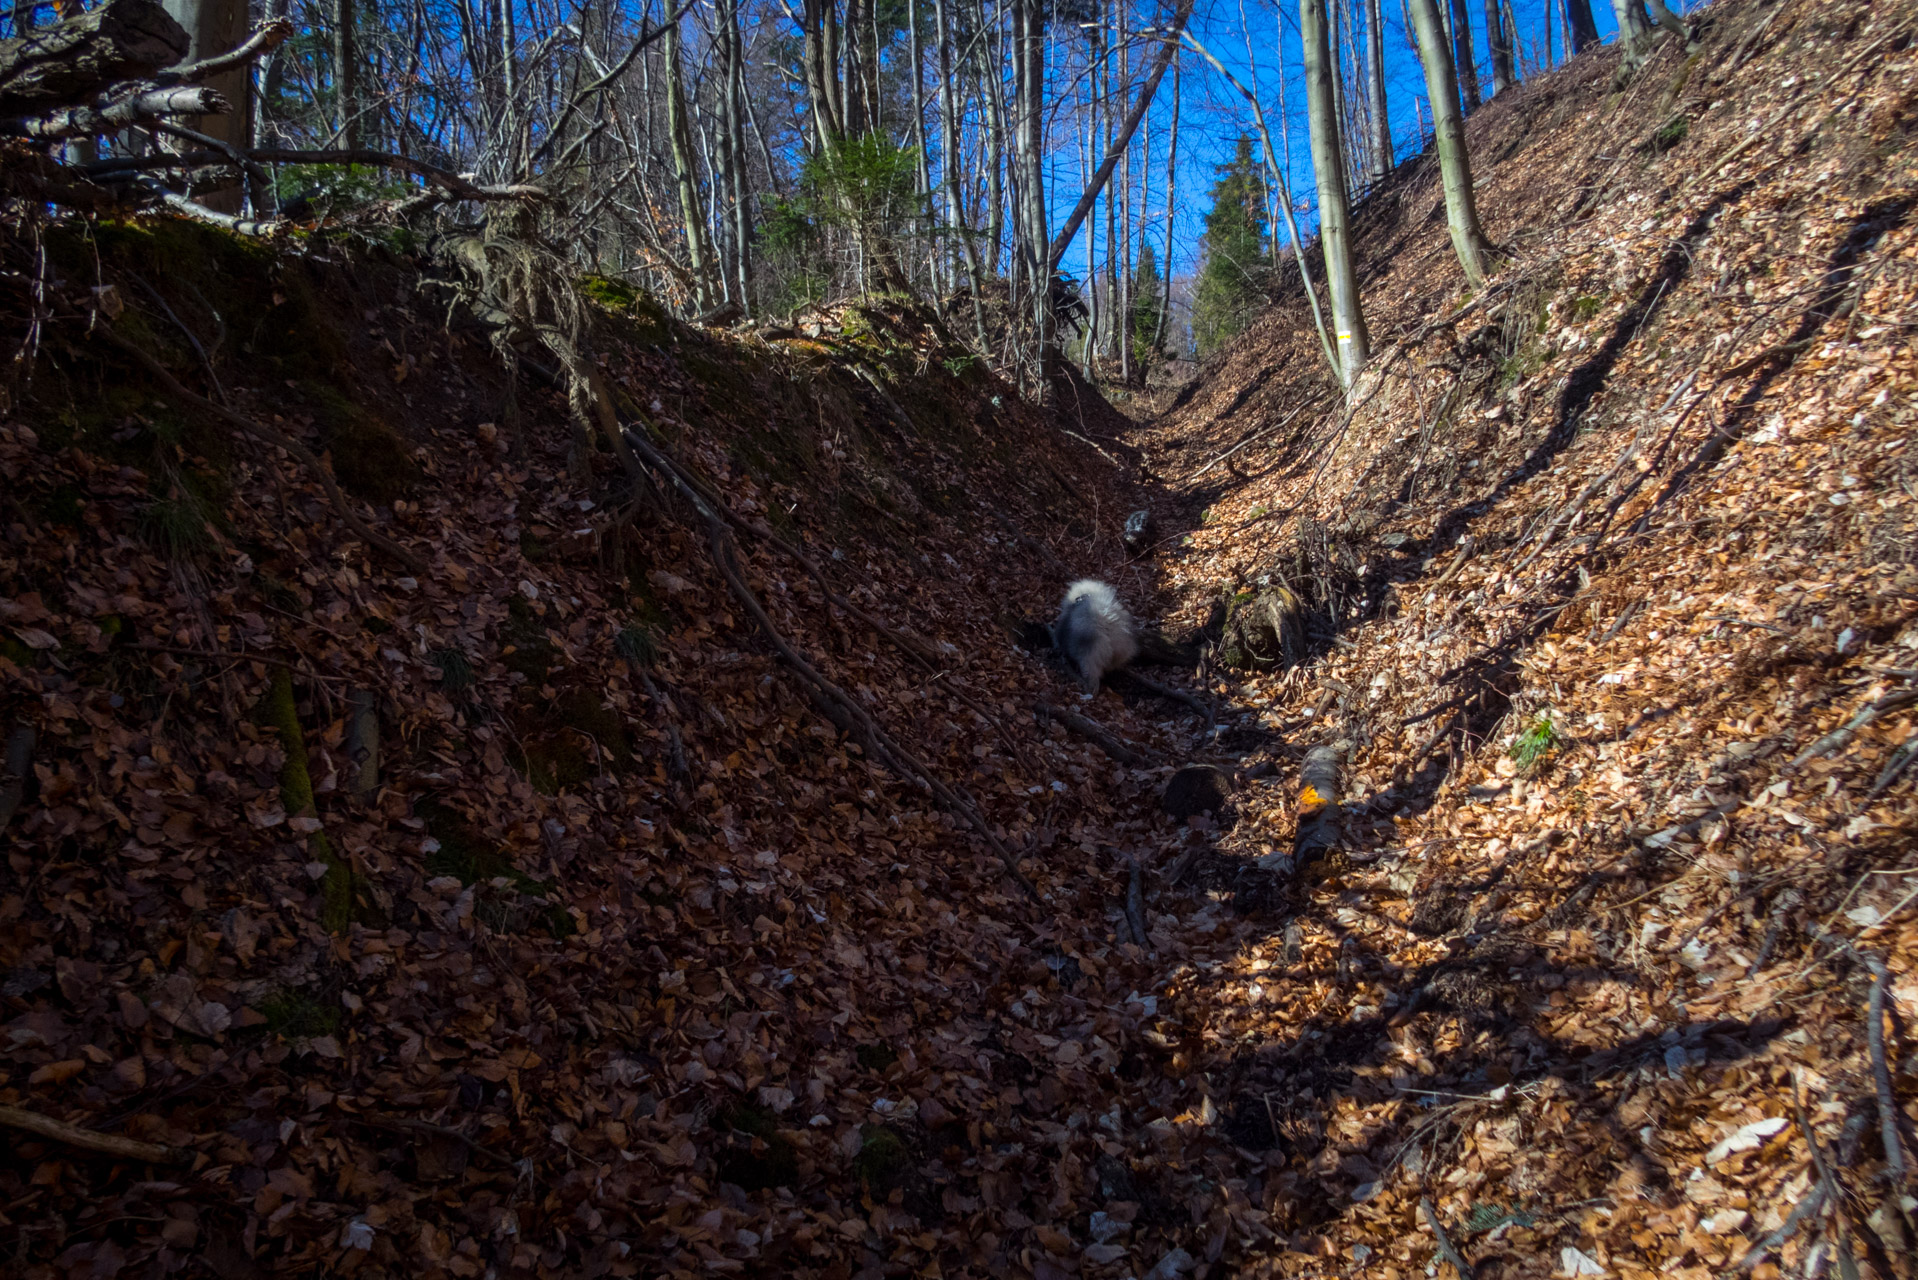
884	1160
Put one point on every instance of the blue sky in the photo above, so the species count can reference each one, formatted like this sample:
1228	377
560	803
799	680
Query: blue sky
1214	113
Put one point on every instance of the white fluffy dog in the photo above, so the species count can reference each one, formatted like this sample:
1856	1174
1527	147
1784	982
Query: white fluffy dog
1094	632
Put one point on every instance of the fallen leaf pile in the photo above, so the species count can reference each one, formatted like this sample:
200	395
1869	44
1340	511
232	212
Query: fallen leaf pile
535	916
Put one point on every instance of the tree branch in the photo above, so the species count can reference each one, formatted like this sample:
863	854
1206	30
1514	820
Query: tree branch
105	1144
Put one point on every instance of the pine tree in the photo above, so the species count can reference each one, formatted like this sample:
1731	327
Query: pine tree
1148	287
1236	261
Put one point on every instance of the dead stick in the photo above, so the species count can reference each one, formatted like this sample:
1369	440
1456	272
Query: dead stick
908	645
895	756
1093	731
1881	1070
1447	1250
90	1140
1135	903
276	438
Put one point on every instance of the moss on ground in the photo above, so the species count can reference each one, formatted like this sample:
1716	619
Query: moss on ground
278	712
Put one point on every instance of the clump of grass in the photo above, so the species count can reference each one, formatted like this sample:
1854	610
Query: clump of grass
456	672
884	1159
294	1014
638	645
177	525
1539	740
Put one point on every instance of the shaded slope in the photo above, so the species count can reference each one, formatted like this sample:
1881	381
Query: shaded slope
573	939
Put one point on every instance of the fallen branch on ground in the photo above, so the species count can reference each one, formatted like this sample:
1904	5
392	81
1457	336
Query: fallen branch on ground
887	749
1838	737
105	1144
1094	732
1447	1250
1881	1070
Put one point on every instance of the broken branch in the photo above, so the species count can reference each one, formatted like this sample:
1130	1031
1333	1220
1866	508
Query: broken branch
105	1144
1447	1250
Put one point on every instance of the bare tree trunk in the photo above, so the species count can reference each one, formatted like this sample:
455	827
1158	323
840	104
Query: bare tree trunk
1634	30
1499	39
949	164
1455	166
1122	303
924	163
1462	58
1335	52
1580	27
1348	317
1171	211
998	141
735	125
685	176
1029	74
1382	157
213	27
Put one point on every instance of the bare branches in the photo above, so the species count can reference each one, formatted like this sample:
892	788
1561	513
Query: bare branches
270	36
117	113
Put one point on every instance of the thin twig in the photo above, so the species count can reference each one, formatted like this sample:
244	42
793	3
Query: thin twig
1447	1250
1881	1070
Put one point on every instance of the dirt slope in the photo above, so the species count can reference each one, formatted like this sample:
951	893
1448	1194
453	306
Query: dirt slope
1581	580
609	952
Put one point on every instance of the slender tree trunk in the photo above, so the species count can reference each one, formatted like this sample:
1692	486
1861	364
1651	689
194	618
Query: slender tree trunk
1171	211
1455	166
1029	65
1382	157
1122	309
1353	342
1580	27
1462	56
742	178
1498	38
949	167
998	140
924	162
1335	76
685	176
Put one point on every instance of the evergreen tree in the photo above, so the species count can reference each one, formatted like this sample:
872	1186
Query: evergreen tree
1236	261
1148	288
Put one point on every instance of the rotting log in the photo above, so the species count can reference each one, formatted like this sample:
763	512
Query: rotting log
74	59
1318	804
115	113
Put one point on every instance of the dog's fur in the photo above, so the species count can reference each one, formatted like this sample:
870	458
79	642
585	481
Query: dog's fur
1094	632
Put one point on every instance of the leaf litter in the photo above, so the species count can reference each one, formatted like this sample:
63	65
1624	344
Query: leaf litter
630	961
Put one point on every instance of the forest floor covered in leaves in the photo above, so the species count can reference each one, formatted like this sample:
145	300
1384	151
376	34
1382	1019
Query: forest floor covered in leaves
510	902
